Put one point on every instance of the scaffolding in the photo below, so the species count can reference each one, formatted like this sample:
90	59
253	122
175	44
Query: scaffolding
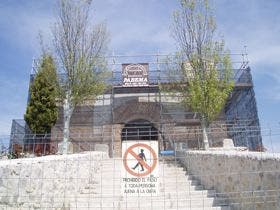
119	112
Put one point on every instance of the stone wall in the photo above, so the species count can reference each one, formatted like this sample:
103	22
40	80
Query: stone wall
46	182
246	180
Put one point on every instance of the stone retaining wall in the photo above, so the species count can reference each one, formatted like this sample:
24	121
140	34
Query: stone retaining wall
46	182
247	180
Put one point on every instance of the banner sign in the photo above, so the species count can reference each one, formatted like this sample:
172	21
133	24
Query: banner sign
135	75
140	175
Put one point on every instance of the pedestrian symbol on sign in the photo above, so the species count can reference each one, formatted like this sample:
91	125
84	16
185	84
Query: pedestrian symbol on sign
131	156
140	160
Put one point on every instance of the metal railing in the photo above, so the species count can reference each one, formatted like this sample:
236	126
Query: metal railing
187	179
169	134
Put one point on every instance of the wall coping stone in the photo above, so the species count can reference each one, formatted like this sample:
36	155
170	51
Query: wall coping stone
94	155
235	153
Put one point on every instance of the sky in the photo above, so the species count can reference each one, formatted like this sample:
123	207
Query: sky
141	27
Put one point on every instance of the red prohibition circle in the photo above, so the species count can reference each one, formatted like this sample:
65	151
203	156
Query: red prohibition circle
131	152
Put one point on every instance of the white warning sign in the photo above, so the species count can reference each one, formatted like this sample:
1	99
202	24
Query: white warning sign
140	168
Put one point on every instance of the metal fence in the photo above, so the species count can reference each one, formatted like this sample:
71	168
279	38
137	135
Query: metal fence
188	178
167	134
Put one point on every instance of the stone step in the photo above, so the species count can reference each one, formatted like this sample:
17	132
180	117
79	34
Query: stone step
109	190
140	198
175	178
75	206
166	163
118	183
172	174
162	163
190	193
169	184
118	170
164	179
119	167
162	194
183	188
108	174
177	190
172	169
161	172
166	174
178	180
148	208
169	197
94	203
133	203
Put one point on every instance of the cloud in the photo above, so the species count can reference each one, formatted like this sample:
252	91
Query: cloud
13	92
255	24
271	89
269	54
5	127
137	27
130	24
25	20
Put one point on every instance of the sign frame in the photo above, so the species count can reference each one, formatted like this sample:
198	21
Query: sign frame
135	74
140	168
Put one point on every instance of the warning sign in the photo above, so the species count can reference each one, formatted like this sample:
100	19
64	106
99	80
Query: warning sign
140	168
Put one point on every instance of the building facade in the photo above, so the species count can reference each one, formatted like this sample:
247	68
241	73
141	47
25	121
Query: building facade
135	108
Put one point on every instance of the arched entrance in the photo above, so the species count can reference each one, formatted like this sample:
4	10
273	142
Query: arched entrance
139	129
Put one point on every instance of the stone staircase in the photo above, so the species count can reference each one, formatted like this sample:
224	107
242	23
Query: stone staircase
177	191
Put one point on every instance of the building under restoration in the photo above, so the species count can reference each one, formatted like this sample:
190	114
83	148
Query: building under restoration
135	108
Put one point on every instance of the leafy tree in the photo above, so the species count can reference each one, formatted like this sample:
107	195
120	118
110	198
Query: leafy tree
42	112
205	71
79	49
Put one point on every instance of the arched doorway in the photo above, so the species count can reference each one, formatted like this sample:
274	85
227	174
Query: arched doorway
139	129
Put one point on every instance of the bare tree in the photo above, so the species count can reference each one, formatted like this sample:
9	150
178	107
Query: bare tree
80	49
204	66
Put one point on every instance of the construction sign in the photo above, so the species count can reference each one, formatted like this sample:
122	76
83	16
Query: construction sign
140	168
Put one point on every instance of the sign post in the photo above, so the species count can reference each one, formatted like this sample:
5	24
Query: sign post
140	168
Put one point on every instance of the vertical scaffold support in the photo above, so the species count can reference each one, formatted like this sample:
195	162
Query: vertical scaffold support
112	105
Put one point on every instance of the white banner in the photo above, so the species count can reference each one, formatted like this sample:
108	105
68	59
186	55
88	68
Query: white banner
140	175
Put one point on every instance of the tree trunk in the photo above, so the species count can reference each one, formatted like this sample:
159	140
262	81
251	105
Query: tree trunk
204	133
67	113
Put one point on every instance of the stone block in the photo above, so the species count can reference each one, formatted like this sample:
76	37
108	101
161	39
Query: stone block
101	148
228	144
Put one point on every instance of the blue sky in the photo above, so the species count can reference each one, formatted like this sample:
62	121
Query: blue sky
140	27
